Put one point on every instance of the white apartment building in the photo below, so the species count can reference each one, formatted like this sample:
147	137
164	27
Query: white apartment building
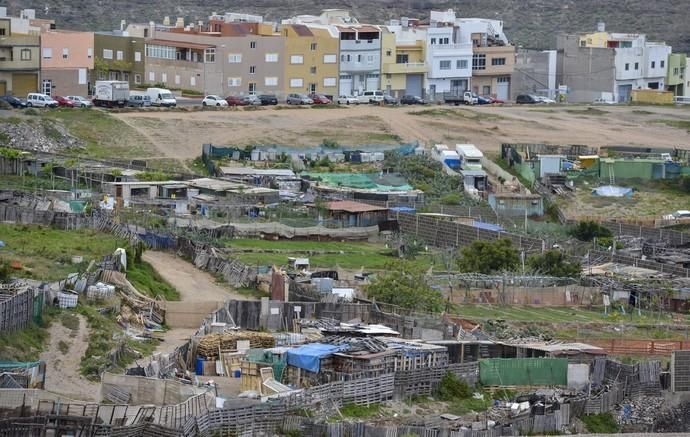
449	56
640	64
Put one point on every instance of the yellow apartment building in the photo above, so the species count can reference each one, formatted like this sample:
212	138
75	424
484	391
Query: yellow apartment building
311	59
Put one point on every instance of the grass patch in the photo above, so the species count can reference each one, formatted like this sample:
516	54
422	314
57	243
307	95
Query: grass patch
147	280
64	347
103	134
252	292
28	343
47	253
463	406
601	423
383	137
70	321
282	107
641	112
587	111
678	124
360	411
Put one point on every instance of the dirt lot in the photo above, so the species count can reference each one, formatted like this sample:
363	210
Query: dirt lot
180	134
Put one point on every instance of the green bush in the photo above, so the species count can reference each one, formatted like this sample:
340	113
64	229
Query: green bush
601	423
588	230
452	388
451	198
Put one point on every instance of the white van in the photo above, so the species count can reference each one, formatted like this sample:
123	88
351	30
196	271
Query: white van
161	97
38	100
371	97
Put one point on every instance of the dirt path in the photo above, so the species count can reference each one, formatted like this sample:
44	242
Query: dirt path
194	286
63	356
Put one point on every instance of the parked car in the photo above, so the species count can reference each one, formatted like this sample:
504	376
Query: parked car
13	101
602	101
268	99
64	102
348	100
371	97
495	101
460	97
214	101
484	100
251	100
542	99
319	99
412	100
526	99
139	100
676	215
80	101
235	101
299	99
390	100
161	97
39	100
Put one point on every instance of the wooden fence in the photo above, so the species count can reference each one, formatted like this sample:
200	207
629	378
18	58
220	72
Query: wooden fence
652	348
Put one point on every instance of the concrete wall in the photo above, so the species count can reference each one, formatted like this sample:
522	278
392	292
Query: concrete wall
148	390
534	73
185	315
66	81
587	72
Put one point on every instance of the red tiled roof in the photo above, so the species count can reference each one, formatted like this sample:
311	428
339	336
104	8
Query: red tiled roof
353	207
302	30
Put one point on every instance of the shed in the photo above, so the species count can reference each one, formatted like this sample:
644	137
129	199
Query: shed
516	204
349	213
550	164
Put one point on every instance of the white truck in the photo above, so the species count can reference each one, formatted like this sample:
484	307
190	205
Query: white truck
111	93
161	97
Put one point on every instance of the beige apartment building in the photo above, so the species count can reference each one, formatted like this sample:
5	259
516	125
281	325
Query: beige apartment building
67	57
222	58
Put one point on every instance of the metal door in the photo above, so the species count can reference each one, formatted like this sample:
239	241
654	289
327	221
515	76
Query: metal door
624	92
503	88
345	85
24	83
372	82
413	85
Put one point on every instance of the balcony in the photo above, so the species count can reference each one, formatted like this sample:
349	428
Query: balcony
355	67
451	49
408	68
360	44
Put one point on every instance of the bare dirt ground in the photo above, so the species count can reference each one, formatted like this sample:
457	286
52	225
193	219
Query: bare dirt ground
62	371
180	135
193	284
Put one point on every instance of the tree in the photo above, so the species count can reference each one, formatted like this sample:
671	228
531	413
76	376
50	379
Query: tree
404	284
588	230
5	270
489	256
554	263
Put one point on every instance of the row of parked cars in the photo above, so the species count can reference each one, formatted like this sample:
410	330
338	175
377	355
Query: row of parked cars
38	100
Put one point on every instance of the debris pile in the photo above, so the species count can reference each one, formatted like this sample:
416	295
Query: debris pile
212	344
673	420
501	330
38	136
641	411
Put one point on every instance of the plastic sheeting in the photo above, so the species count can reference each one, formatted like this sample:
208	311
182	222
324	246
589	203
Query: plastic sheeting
308	357
612	191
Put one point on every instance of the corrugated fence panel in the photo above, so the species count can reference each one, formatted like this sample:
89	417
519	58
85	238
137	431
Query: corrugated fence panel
523	371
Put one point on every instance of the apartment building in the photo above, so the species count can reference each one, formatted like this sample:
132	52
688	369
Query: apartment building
20	46
223	57
67	58
311	59
493	56
118	56
448	55
676	76
403	58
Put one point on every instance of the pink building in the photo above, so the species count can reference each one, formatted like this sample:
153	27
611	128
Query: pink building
66	61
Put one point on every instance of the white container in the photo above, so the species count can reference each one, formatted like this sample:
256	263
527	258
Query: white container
77	259
67	300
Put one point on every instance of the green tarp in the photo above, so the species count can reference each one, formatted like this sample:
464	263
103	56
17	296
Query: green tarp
523	371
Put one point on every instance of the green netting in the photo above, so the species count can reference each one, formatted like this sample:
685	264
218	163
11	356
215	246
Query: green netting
265	357
523	371
365	181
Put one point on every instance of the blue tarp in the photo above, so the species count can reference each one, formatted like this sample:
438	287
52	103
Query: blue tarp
487	226
403	209
308	357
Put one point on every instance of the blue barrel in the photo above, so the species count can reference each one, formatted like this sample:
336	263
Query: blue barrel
199	366
238	373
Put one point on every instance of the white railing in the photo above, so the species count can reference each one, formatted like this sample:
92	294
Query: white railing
442	47
682	100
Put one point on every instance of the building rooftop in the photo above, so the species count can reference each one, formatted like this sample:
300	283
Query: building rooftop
182	44
250	171
353	207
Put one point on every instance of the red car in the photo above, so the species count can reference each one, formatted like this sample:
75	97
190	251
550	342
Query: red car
235	101
64	101
320	99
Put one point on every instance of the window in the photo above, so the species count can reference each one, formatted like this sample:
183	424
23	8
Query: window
82	76
359	58
637	65
443	40
271	81
2	32
370	59
164	77
486	90
152	77
297	59
662	64
444	65
107	54
89	52
330	59
120	55
160	52
234	58
433	41
125	76
389	52
101	75
675	71
271	57
46	87
210	55
313	46
252	88
478	62
65	53
252	69
47	53
25	55
137	56
177	79
461	64
312	70
234	81
137	79
296	83
503	79
345	77
498	61
252	45
328	82
627	67
192	81
653	64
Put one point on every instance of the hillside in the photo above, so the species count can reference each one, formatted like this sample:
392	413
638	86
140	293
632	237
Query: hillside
530	23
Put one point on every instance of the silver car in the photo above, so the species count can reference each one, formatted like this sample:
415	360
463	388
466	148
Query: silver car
80	101
251	100
299	99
